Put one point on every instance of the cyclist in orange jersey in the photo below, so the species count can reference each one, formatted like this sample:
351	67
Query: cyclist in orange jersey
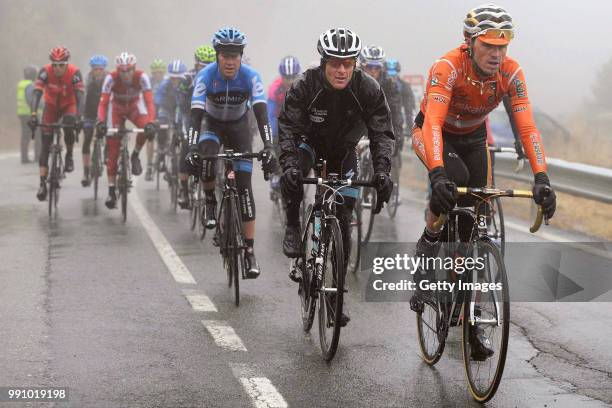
449	134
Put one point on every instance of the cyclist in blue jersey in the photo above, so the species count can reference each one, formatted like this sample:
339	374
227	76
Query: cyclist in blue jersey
93	91
166	101
219	109
158	73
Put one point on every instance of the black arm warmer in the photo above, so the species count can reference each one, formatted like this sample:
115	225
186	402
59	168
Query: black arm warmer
261	114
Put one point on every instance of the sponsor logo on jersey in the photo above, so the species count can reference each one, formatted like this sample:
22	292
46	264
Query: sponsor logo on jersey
437	142
520	87
258	87
535	142
439	99
199	90
519	109
452	78
317	119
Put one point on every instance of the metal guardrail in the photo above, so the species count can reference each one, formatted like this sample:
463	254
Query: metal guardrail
579	179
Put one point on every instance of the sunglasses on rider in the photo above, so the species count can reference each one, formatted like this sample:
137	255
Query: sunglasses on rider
496	36
58	64
335	63
374	65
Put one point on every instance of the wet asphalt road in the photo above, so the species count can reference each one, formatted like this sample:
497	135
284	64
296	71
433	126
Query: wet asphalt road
88	303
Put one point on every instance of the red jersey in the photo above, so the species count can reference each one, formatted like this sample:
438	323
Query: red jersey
60	92
127	94
458	100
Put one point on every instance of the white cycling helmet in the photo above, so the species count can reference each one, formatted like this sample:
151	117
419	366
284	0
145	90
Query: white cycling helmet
125	60
491	23
339	43
372	55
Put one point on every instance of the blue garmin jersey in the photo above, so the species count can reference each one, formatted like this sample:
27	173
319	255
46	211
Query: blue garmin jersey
227	100
166	98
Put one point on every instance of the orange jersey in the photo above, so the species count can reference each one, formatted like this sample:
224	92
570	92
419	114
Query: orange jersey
458	101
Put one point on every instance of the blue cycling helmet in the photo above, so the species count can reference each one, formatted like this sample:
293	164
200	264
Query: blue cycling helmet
176	68
289	66
393	67
98	61
229	39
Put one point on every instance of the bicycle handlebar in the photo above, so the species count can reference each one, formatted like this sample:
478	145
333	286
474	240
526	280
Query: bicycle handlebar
56	125
114	131
486	192
230	155
336	182
499	149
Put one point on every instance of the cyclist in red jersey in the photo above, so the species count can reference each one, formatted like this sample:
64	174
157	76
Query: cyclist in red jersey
289	69
132	100
62	85
450	135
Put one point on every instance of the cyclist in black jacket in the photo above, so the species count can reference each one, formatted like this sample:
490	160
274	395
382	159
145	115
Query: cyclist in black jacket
372	61
323	116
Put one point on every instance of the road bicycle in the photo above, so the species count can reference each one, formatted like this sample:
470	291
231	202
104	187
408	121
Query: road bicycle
483	314
321	264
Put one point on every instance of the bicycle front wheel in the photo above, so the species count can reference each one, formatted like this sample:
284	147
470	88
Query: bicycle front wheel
54	183
123	185
331	289
173	180
306	263
194	200
96	168
354	257
237	248
486	321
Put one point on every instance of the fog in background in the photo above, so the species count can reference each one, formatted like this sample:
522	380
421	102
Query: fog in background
560	45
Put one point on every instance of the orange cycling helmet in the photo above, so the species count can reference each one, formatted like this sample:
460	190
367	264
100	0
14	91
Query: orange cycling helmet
490	24
59	54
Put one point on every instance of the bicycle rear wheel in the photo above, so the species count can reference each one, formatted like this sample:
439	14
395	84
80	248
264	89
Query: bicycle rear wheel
432	329
495	223
368	205
490	311
331	290
307	287
395	173
354	257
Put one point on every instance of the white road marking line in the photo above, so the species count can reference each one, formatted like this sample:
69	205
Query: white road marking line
199	302
224	335
4	156
263	393
177	268
260	389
